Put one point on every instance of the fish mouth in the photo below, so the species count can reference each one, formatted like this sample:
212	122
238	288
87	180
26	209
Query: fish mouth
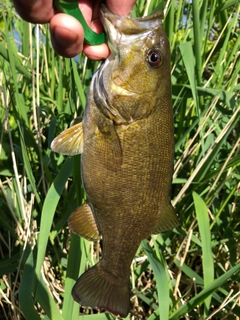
125	30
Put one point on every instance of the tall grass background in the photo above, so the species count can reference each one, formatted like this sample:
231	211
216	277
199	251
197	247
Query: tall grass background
187	273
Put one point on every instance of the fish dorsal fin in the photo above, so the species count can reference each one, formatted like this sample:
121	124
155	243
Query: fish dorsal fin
70	141
82	222
168	220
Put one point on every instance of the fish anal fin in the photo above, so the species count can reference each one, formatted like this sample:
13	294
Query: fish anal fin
82	222
70	141
98	288
168	220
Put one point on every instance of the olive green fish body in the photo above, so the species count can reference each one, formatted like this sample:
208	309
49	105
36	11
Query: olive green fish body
127	156
128	181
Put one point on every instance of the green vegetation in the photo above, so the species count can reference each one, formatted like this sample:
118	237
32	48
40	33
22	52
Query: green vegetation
188	273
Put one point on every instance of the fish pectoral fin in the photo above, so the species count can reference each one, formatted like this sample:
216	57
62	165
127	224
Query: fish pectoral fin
168	220
70	141
82	222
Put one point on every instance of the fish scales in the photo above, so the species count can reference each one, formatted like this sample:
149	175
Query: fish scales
126	140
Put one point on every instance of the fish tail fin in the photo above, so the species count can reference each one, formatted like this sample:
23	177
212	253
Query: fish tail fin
99	288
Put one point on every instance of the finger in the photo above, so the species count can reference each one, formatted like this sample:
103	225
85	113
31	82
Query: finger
67	35
91	14
120	7
35	11
96	52
86	9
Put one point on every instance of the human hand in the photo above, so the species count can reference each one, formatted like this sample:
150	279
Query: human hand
67	33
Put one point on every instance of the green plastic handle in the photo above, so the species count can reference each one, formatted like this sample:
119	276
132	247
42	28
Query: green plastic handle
71	7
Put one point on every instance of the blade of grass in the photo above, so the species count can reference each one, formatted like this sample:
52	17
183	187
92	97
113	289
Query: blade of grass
219	73
78	253
189	63
48	211
197	50
45	299
25	289
169	21
159	268
76	264
78	83
205	234
225	5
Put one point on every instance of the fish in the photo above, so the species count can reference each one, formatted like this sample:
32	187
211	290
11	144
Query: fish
126	142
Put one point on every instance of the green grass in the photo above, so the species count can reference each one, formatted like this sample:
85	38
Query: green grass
187	273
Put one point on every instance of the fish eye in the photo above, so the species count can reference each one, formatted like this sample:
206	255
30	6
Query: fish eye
154	58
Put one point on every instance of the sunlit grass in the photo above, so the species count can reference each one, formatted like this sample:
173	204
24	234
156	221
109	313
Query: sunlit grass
188	273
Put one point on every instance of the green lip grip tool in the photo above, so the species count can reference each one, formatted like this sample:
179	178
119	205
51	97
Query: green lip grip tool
71	7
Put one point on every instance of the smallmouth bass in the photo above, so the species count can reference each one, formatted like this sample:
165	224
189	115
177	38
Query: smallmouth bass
126	141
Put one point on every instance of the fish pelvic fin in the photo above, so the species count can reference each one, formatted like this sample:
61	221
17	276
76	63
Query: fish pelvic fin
168	220
83	223
70	141
99	288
